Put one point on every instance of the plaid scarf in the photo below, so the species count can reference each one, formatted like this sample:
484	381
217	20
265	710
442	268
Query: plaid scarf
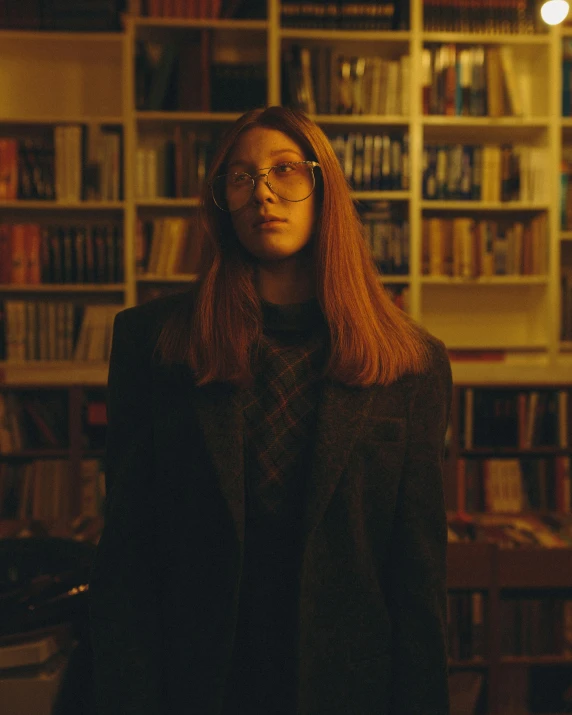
280	408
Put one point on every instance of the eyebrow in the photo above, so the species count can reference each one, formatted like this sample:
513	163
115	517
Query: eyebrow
274	152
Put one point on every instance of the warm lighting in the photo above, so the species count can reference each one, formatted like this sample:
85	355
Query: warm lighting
553	12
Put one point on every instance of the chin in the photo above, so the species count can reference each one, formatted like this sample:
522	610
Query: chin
275	252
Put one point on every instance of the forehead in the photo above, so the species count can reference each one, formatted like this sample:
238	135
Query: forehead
258	145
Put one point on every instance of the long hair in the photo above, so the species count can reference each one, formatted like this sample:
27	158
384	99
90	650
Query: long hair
370	340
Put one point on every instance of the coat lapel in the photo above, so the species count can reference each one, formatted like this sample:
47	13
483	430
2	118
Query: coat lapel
342	414
219	413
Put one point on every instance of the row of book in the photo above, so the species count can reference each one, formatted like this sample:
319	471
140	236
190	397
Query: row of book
320	80
31	421
373	162
345	14
166	247
198	9
33	254
173	167
55	330
566	77
485	173
514	418
536	626
43	490
67	15
177	75
566	304
511	531
473	81
495	16
468	248
513	485
70	164
388	239
466	625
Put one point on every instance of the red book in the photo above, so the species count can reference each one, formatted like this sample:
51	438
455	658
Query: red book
33	246
8	169
5	253
18	263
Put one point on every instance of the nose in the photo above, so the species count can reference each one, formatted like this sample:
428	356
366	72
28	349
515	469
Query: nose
262	191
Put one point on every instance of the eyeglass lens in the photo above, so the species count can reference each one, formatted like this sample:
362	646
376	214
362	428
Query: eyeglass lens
291	182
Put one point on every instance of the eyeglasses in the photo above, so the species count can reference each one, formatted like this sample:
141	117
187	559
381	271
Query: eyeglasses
291	181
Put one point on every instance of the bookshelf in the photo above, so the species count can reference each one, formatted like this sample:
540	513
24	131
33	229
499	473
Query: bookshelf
505	330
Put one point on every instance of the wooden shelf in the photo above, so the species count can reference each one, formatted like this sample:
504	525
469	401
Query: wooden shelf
401	37
63	288
484	280
25	205
469	566
438	205
177	278
535	568
151	116
36	36
482	38
378	120
53	373
174	23
63	119
381	195
511	122
163	202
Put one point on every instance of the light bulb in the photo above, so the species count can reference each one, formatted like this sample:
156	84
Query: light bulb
553	12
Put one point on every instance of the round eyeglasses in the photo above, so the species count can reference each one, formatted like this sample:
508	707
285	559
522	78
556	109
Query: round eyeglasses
291	181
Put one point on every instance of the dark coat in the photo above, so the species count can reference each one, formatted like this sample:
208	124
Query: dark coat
164	589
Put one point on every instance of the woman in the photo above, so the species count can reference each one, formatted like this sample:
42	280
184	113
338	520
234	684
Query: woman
275	531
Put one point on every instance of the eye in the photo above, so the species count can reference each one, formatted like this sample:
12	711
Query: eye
284	168
237	179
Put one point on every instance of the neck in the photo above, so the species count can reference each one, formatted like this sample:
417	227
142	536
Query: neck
284	282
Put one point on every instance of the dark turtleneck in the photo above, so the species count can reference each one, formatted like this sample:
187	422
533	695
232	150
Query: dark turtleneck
280	411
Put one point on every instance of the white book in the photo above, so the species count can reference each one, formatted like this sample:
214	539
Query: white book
513	89
391	98
376	67
140	173
405	84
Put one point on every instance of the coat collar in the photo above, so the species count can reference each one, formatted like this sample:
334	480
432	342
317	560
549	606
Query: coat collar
342	413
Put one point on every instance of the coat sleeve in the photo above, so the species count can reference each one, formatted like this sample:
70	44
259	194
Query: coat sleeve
124	584
417	578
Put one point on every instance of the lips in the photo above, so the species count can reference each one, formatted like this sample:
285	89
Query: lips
266	219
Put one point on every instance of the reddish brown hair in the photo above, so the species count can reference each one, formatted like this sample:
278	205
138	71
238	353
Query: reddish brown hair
371	341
